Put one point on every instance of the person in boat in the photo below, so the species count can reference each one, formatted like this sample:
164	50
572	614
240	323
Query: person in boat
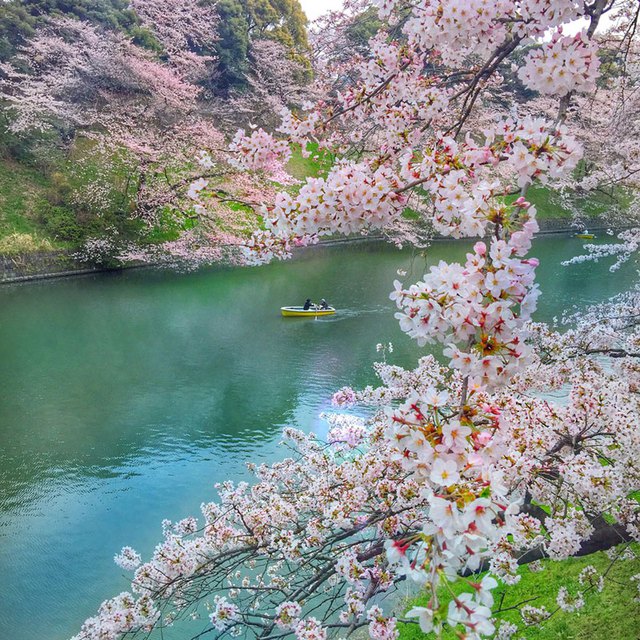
308	304
324	304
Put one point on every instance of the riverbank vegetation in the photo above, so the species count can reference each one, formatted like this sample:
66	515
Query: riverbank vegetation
36	202
83	156
104	108
605	617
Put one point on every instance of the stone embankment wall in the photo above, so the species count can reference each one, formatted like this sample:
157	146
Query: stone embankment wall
33	266
563	225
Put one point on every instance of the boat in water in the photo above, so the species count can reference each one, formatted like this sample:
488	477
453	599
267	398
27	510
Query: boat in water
301	312
585	235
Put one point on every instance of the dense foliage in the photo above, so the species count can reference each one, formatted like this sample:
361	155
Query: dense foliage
245	21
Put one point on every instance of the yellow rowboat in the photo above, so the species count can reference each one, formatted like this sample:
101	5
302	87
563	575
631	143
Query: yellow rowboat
299	312
585	236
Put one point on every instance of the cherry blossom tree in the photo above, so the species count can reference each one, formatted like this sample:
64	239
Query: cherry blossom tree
274	81
462	471
145	112
596	117
143	120
95	85
186	30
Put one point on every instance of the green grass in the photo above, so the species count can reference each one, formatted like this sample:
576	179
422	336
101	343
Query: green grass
22	190
38	211
610	615
315	165
19	243
548	205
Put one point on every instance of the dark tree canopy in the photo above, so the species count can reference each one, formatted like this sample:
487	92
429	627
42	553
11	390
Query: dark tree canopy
18	18
242	21
362	29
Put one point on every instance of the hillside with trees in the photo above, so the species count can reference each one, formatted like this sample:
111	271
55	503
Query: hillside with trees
104	106
111	111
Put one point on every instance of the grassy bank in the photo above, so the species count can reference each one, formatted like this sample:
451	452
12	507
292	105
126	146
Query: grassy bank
23	191
40	210
610	615
37	212
548	205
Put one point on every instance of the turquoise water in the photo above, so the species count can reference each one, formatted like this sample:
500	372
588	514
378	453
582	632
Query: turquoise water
125	396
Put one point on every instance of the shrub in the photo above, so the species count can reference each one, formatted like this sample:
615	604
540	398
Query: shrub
18	243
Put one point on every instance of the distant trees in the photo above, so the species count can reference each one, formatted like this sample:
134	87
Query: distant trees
242	22
19	19
114	106
149	24
185	30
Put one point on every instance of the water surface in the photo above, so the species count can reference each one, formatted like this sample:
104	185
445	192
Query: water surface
125	396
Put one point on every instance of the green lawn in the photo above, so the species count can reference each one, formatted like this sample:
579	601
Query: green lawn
610	615
313	166
548	204
22	193
21	189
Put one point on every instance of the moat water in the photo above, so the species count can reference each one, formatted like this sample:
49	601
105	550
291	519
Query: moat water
124	397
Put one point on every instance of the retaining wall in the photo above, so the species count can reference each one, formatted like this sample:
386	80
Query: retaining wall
49	264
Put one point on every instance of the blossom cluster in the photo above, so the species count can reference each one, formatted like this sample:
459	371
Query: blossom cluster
119	615
381	627
468	512
355	197
128	559
350	199
346	429
558	454
476	309
562	65
299	129
287	614
458	28
536	149
442	483
225	613
259	151
568	602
